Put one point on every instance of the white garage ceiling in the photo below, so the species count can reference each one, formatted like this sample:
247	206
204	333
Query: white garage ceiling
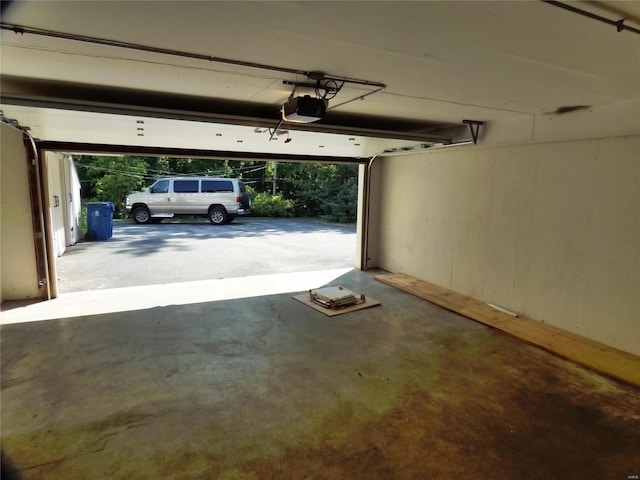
440	63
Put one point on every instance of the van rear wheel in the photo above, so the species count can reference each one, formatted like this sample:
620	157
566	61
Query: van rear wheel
218	215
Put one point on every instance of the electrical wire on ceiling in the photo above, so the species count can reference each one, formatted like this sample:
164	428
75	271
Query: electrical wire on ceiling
152	173
330	87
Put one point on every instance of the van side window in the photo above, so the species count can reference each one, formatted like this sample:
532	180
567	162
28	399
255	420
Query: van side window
161	186
185	186
210	186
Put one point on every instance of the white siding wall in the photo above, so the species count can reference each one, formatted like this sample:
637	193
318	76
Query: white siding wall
73	202
57	206
63	186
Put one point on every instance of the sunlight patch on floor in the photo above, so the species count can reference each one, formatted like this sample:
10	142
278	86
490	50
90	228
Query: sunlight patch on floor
149	296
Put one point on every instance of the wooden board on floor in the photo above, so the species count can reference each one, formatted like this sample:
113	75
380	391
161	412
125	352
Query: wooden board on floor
304	298
609	361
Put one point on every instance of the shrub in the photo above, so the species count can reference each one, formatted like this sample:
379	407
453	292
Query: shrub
266	205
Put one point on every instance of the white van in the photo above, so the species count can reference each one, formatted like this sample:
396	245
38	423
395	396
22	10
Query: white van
220	199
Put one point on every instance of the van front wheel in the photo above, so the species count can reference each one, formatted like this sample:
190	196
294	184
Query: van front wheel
141	215
218	215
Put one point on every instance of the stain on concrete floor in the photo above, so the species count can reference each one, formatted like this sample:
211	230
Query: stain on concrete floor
266	388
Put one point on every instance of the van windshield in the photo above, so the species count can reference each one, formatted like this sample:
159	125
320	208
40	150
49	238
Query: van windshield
161	186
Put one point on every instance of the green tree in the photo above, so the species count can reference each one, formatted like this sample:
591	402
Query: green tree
111	179
321	190
302	189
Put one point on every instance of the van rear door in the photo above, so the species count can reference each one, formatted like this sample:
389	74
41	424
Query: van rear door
219	191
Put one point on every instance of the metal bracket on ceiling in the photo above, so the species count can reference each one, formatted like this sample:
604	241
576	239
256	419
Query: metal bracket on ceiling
619	24
273	132
474	127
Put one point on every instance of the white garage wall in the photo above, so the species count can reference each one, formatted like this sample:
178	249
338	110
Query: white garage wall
18	272
549	230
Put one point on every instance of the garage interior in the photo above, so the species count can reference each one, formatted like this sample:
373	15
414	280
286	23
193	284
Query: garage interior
499	147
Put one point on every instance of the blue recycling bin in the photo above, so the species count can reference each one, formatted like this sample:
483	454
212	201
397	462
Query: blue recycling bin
100	219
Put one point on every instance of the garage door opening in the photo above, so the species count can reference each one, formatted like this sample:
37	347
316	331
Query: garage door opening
303	218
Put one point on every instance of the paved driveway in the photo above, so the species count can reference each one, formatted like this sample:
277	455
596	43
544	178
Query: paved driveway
187	251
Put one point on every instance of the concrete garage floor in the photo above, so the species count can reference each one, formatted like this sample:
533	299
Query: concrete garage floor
267	388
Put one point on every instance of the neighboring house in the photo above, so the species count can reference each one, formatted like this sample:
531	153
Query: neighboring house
65	204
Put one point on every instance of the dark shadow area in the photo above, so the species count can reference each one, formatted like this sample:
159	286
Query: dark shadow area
8	471
149	235
186	107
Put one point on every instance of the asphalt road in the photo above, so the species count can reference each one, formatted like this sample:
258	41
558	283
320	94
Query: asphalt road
187	251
